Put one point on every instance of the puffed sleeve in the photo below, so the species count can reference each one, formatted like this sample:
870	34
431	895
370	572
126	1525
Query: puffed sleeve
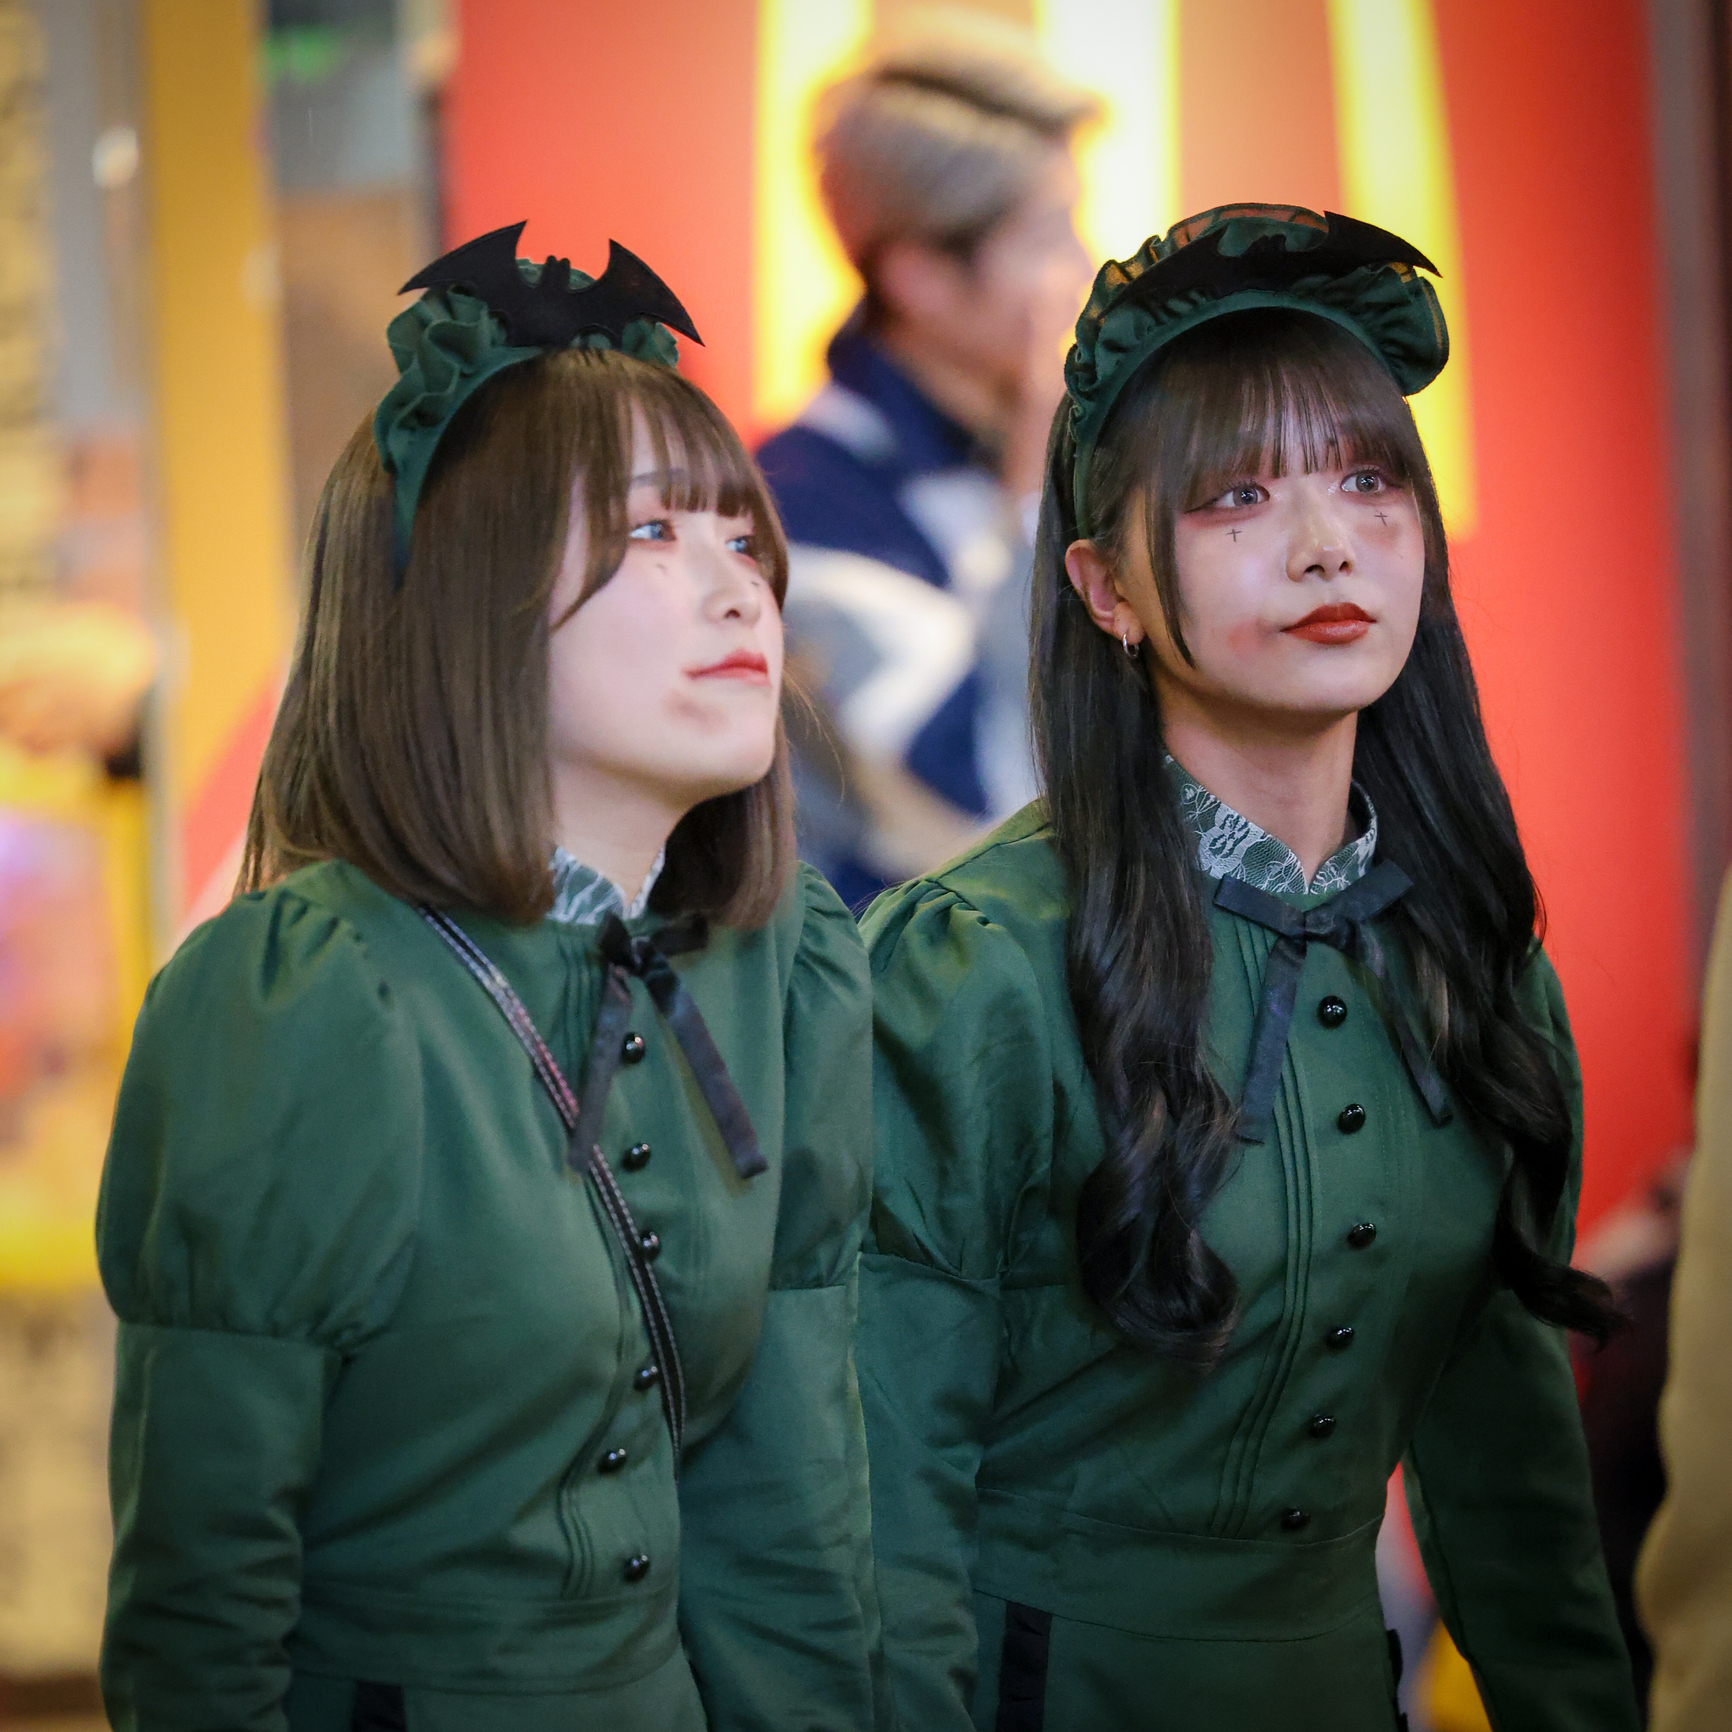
1497	1481
255	1226
963	1105
776	1599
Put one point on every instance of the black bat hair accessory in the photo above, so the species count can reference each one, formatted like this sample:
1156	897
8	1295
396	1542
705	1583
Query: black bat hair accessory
484	310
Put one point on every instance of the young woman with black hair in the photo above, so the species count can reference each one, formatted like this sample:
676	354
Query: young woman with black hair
1228	1121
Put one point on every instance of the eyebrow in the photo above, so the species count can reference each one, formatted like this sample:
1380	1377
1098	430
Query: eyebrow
658	478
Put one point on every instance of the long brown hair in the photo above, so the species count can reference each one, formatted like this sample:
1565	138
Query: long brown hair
412	736
1290	390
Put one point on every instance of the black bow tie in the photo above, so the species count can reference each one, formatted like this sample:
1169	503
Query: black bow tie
647	958
1344	923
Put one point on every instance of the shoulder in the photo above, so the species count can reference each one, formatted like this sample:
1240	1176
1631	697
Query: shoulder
817	483
306	935
1540	996
1011	882
975	950
268	1123
821	941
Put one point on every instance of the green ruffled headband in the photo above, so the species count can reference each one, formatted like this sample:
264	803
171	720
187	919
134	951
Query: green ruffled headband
1239	256
485	310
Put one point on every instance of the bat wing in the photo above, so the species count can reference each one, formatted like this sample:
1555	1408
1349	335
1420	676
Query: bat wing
628	289
548	314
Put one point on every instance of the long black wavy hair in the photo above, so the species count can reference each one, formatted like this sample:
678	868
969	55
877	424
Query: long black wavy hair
1293	391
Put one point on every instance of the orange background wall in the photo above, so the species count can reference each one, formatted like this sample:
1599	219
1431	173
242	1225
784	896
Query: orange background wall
593	127
602	123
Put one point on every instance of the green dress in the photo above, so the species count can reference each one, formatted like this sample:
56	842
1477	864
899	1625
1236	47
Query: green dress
1072	1536
379	1356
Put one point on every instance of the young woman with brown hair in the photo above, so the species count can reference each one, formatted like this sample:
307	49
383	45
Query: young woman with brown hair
1228	1120
454	1394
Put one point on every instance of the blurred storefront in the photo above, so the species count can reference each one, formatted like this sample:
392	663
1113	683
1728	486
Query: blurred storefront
205	208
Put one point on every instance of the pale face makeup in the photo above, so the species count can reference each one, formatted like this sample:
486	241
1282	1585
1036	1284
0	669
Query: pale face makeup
665	684
1299	597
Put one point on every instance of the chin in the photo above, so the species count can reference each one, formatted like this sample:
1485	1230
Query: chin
716	780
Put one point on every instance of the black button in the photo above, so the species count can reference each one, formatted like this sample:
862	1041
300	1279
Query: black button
1361	1233
631	1049
1332	1012
1339	1338
646	1377
1294	1519
1351	1118
636	1567
1321	1424
636	1158
651	1245
612	1462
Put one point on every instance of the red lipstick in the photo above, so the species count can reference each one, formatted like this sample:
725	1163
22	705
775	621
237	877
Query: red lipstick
1340	622
741	665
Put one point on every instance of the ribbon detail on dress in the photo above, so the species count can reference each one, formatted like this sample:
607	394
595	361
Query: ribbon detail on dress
1344	923
647	958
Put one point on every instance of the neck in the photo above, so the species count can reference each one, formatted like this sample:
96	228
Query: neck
971	399
615	827
1293	783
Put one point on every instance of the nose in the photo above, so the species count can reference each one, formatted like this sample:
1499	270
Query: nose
1320	546
732	592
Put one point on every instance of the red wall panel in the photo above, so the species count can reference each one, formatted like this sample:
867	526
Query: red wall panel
1569	585
599	122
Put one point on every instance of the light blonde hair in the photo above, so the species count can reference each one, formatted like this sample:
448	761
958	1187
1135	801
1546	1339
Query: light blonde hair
942	134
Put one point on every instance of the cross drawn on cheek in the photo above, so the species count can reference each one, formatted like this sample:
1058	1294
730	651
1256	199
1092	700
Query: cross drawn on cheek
1383	517
1234	533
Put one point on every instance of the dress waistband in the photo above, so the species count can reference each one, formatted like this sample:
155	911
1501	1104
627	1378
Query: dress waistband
1185	1585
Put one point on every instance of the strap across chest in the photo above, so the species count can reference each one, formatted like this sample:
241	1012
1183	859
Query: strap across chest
624	956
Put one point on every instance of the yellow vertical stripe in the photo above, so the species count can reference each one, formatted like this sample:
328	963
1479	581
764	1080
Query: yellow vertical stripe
1128	51
803	284
221	445
1393	135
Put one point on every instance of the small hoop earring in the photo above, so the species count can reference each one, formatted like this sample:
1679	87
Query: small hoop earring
1133	650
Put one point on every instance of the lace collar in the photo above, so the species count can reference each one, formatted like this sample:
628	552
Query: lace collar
1229	845
582	897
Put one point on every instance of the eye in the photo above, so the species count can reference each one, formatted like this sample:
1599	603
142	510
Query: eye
1365	481
1239	497
746	546
657	529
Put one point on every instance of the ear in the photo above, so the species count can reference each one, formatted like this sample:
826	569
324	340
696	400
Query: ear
1092	578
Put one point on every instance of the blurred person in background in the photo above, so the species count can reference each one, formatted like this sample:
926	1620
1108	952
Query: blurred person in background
908	484
1684	1577
1634	1250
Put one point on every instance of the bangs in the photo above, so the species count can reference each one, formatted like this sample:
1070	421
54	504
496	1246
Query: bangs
698	460
1282	395
1252	393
